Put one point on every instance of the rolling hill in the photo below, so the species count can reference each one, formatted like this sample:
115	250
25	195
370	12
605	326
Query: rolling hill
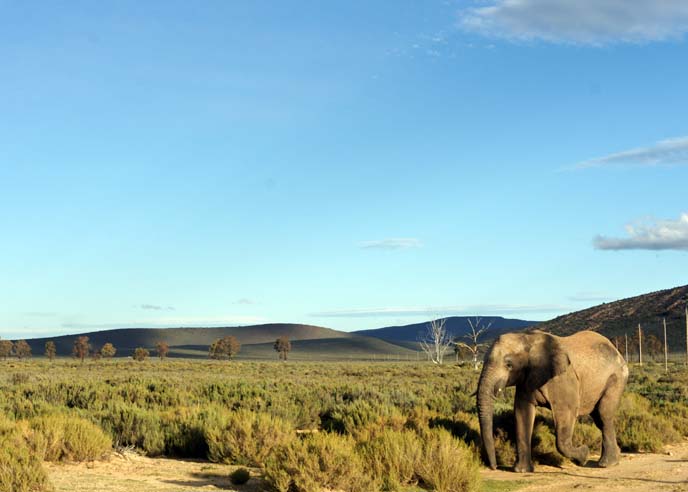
622	317
127	339
352	348
457	326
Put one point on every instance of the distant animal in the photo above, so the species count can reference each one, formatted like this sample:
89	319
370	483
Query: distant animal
577	375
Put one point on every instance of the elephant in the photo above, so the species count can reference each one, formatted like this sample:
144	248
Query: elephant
582	374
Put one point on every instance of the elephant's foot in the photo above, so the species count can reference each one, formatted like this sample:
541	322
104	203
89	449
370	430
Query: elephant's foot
524	467
580	457
609	459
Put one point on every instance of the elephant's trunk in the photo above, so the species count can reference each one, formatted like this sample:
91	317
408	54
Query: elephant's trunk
485	396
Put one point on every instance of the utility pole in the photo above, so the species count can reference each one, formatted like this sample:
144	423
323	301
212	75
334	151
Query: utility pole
640	345
666	364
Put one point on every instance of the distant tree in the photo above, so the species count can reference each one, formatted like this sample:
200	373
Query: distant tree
21	349
162	348
473	347
81	348
225	347
5	348
653	345
282	347
50	350
108	350
437	341
141	354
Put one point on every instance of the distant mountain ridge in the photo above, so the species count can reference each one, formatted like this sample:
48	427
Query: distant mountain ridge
457	326
622	317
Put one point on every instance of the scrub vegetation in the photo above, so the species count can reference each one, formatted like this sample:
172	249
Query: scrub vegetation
304	427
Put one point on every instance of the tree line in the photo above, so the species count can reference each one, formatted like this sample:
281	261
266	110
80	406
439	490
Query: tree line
222	348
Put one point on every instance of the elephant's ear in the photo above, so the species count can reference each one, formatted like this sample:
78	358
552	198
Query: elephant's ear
547	358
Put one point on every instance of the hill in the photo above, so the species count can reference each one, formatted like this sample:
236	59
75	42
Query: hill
351	348
457	326
127	339
622	317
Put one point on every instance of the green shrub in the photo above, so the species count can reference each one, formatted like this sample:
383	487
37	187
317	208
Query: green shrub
240	476
21	469
246	438
505	451
70	438
447	464
319	461
363	420
544	449
638	429
392	458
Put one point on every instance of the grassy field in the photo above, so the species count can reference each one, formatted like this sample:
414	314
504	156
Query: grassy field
380	423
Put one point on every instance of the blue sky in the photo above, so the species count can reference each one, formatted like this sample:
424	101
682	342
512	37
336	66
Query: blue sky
352	165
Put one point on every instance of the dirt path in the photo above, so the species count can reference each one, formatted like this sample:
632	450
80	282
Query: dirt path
132	473
636	472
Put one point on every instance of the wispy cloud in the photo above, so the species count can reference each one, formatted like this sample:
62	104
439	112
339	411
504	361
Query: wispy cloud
671	151
155	307
581	22
391	244
481	309
650	235
40	314
244	301
170	322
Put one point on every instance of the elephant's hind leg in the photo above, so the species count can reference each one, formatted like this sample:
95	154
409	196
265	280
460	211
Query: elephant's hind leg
603	415
564	421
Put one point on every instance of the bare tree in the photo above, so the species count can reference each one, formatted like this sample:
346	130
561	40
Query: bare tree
437	341
473	346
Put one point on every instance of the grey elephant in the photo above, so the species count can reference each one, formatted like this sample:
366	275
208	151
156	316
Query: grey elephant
577	375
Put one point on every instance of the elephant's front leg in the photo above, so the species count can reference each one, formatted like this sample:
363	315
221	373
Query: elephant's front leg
524	412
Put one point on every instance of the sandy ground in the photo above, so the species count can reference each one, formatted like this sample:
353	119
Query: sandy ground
636	472
129	472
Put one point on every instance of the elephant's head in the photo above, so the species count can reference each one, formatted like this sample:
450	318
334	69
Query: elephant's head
528	359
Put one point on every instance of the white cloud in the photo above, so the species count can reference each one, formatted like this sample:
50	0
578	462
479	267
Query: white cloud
652	235
665	152
584	22
155	307
481	309
392	243
244	301
172	321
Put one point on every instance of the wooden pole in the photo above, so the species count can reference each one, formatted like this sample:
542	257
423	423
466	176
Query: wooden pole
626	337
640	345
666	364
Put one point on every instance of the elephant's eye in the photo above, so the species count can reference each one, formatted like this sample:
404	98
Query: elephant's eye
509	364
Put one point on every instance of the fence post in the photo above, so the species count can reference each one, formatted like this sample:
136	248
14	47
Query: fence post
666	364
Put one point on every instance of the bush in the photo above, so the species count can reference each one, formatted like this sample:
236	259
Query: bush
448	465
638	429
392	458
21	469
320	461
68	438
544	448
240	476
246	438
